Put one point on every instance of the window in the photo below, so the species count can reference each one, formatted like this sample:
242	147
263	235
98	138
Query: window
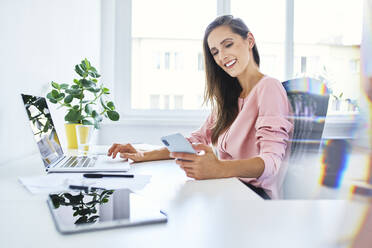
166	101
354	65
178	102
165	58
175	28
154	101
178	65
157	60
328	44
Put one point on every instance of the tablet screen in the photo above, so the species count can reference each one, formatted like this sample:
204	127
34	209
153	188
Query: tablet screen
77	211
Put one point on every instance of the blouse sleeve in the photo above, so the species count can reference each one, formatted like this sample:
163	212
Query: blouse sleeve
204	133
272	129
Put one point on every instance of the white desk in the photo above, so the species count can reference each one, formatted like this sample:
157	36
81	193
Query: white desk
209	213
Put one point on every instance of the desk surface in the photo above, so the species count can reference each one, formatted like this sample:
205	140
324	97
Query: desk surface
208	213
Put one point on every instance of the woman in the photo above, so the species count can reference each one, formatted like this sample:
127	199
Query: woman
248	123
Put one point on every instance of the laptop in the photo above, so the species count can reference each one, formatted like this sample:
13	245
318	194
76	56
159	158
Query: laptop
46	137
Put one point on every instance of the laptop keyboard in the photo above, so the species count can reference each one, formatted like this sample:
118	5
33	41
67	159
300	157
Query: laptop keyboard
76	162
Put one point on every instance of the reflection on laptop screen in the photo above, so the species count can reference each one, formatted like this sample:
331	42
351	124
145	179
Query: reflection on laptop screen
42	126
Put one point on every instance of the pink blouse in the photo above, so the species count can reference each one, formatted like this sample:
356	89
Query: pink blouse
261	129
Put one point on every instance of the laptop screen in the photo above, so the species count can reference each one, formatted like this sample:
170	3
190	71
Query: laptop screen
43	129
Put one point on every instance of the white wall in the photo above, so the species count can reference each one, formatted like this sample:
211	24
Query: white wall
148	132
40	41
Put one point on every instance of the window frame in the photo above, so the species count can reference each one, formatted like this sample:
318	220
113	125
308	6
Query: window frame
116	50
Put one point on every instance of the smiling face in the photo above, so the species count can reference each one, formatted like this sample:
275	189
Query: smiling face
230	51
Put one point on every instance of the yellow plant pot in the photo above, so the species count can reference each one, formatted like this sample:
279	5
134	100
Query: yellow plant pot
71	135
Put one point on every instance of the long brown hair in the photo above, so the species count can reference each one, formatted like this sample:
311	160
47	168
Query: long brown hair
222	90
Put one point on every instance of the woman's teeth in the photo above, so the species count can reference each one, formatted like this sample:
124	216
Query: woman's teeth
230	63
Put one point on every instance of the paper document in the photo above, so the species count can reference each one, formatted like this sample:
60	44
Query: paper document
61	181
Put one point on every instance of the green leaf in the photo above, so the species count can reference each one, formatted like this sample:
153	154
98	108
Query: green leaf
76	107
73	116
94	74
76	81
55	94
82	66
60	96
91	89
88	109
75	86
73	92
79	71
86	122
81	96
94	80
64	86
104	105
113	115
68	99
86	63
111	105
56	86
86	83
50	97
53	100
105	90
94	114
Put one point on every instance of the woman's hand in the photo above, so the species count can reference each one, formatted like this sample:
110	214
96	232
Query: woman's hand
200	166
126	151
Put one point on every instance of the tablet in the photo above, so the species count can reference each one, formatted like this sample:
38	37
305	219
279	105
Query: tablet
95	209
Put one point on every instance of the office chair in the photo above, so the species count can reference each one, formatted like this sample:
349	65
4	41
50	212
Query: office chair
309	101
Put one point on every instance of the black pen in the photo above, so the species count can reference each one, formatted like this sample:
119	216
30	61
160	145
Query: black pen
95	175
86	188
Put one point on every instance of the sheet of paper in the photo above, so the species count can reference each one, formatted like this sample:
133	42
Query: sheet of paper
55	182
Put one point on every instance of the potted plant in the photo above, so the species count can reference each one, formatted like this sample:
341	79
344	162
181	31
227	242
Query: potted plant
84	100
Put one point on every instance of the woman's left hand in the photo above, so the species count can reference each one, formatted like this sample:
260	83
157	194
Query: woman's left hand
200	166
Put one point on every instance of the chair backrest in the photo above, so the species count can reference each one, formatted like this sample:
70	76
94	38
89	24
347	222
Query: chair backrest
309	100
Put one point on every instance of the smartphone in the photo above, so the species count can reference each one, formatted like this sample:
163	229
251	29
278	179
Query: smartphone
177	143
